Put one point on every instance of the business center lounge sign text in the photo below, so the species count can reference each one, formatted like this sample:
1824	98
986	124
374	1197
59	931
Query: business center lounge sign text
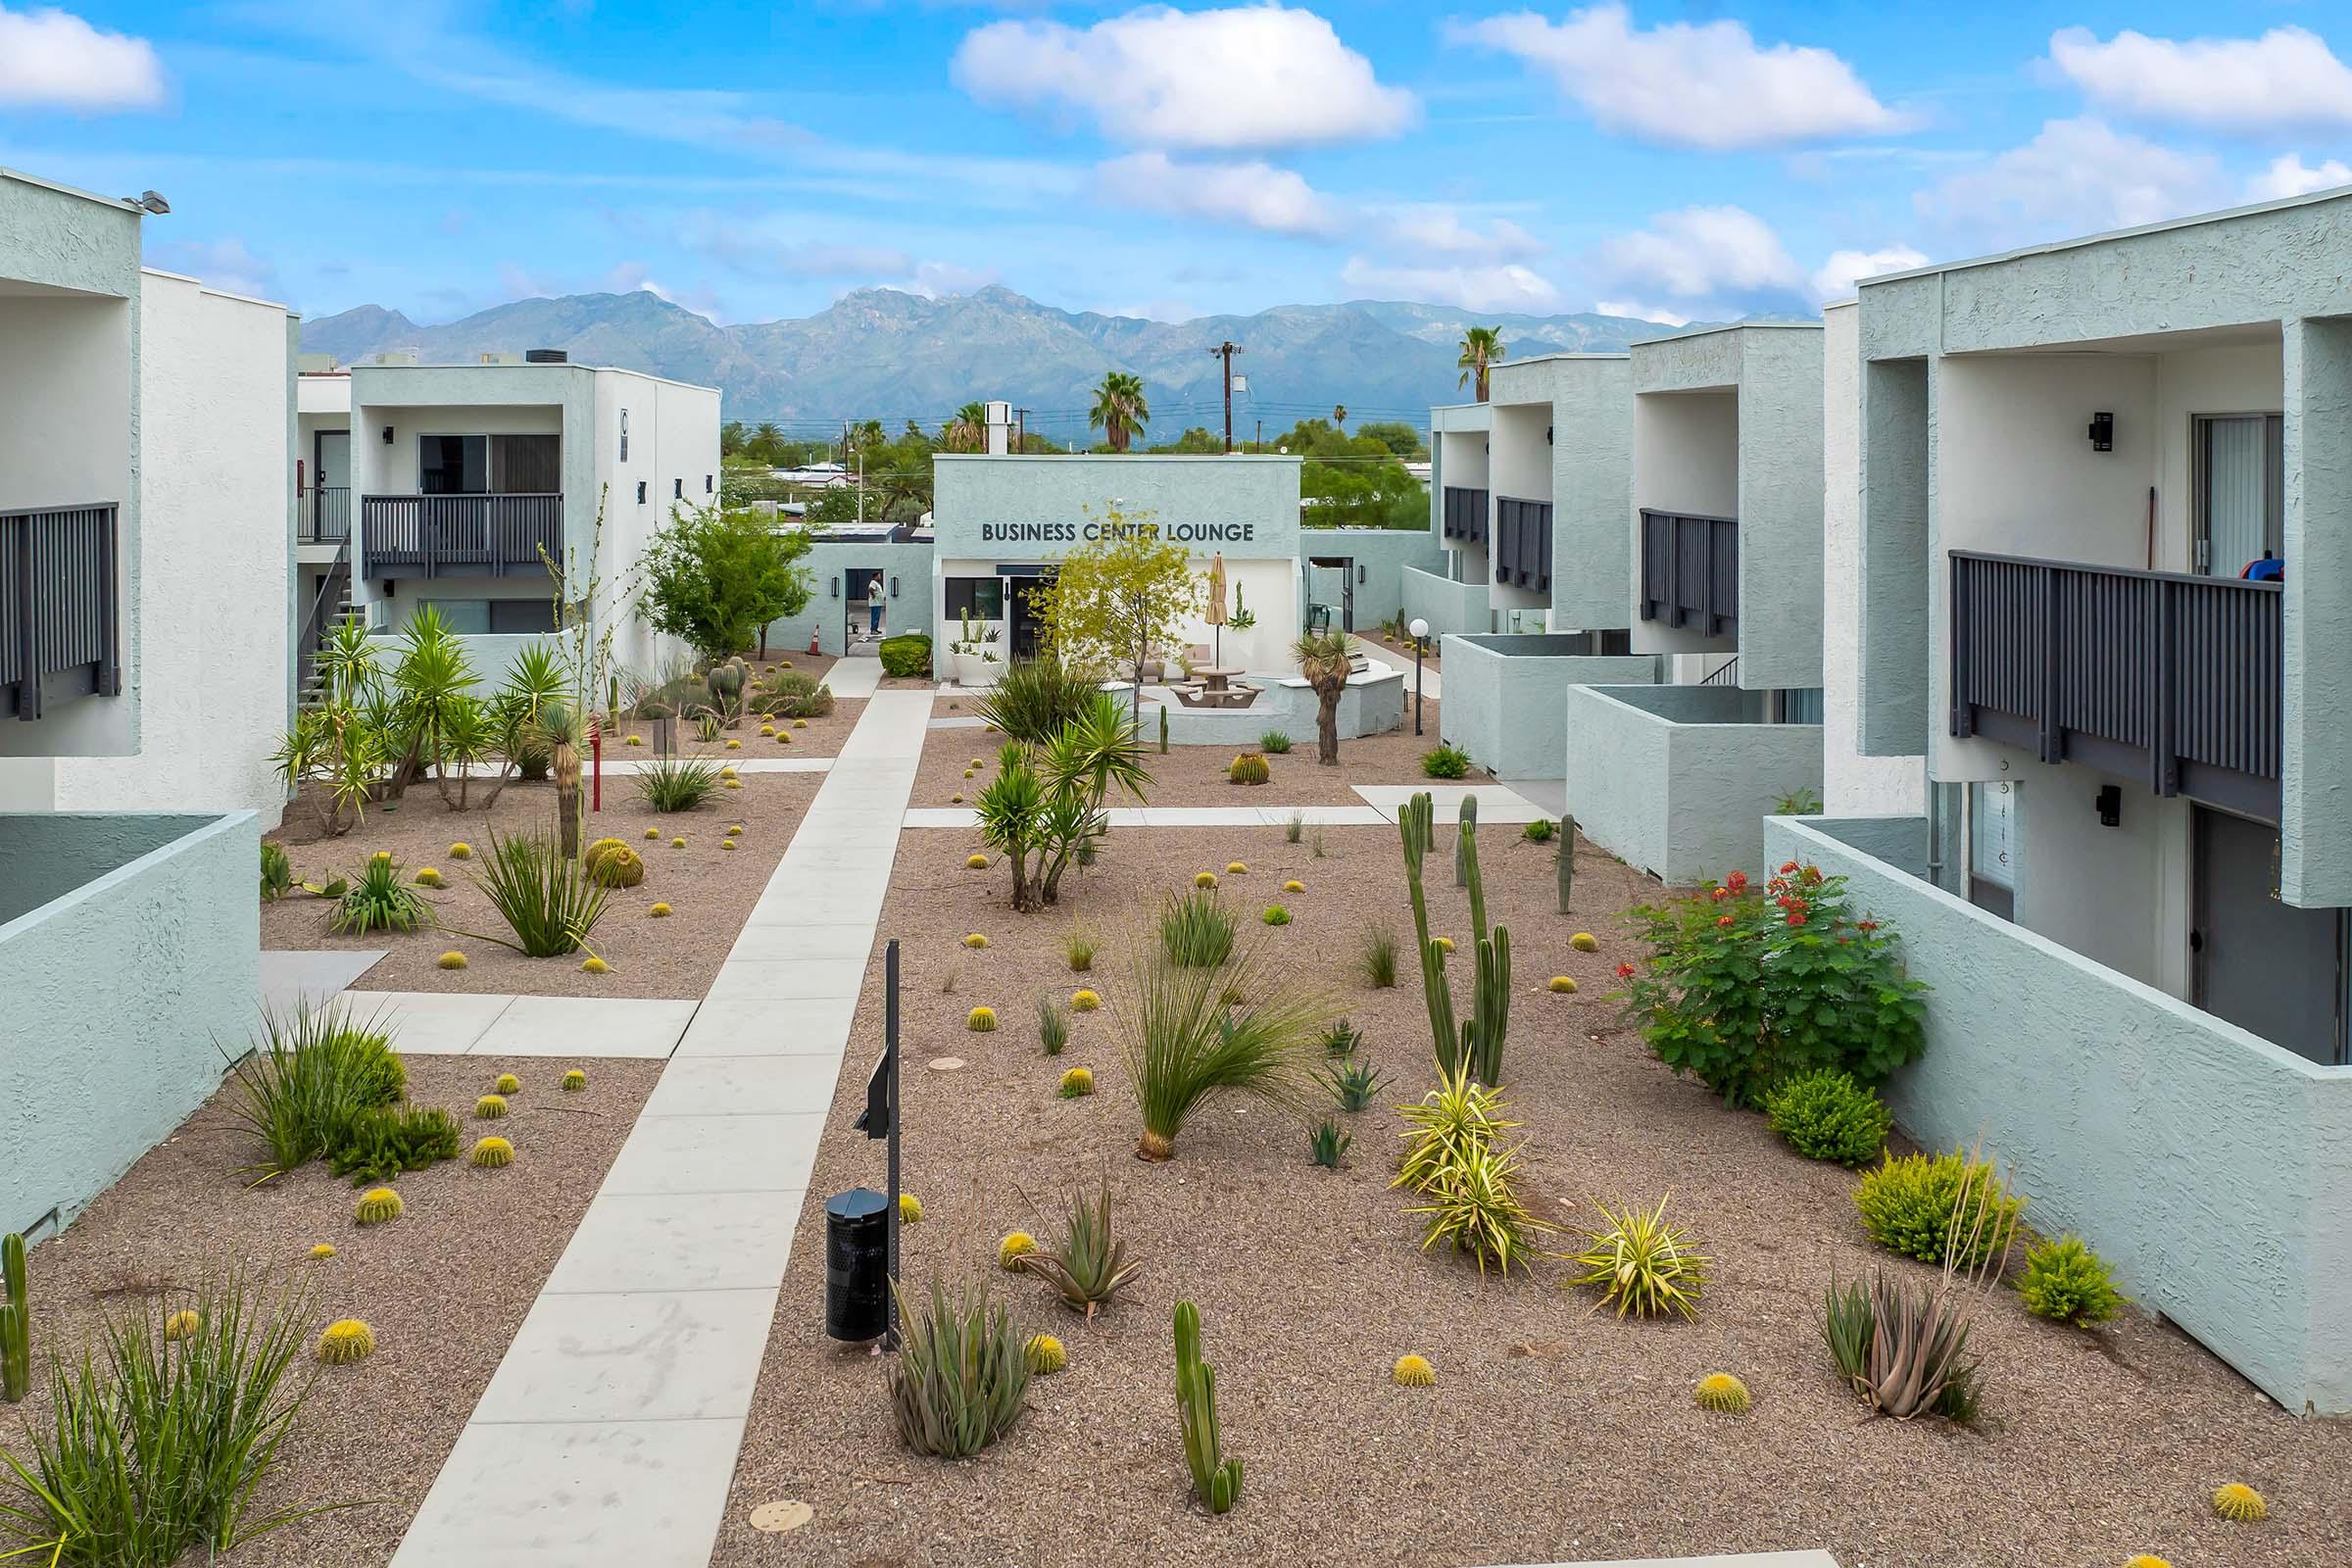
1067	533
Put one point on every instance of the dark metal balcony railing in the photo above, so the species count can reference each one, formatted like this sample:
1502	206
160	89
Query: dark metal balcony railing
327	515
1523	543
1465	515
459	537
1690	572
2172	678
59	616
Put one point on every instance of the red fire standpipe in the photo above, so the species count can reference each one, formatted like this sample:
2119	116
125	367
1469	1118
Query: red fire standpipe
596	767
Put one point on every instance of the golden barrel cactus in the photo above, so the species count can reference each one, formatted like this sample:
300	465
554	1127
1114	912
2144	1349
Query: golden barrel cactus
346	1339
493	1154
1413	1372
376	1206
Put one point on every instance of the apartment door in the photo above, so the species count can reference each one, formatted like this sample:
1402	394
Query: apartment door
330	487
1331	582
2256	960
862	604
2240	488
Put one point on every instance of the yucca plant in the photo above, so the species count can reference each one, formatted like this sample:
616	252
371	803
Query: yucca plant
157	1448
677	783
546	898
1642	1262
961	1374
1471	1201
378	899
1197	930
1184	1042
313	1074
1034	698
1090	1266
1452	1118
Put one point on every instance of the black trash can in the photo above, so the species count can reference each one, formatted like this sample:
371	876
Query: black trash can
856	1265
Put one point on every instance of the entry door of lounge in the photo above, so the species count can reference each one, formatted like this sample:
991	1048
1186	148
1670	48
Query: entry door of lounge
2259	962
1331	580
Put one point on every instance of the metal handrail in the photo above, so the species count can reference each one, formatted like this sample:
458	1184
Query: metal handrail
60	612
1690	570
460	535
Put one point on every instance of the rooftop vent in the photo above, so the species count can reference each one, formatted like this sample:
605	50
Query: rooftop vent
545	356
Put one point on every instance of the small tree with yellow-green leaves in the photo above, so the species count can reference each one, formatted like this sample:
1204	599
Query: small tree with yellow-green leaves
1119	598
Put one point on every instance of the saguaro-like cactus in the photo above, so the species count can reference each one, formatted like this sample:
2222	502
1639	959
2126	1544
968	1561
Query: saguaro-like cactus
1163	729
1566	864
1465	842
1413	821
1216	1480
1479	1041
16	1323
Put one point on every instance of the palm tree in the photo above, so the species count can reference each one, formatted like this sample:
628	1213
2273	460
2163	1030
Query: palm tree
968	430
1120	411
1482	347
1339	416
765	434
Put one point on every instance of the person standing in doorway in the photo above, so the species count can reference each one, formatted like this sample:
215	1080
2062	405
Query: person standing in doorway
873	605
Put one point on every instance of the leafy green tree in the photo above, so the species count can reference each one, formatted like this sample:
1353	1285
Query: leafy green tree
1401	438
1120	410
1481	351
1120	598
1198	441
713	578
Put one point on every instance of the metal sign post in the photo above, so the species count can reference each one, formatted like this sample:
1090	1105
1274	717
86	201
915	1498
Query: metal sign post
880	1119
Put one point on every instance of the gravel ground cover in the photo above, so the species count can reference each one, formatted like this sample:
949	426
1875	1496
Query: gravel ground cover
1196	775
444	1287
1553	1433
709	889
822	737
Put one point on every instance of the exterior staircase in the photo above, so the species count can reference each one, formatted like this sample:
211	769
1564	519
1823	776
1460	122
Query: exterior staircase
332	609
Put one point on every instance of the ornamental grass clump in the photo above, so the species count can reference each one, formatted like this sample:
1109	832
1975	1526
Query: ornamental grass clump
1197	930
547	899
2066	1282
311	1076
961	1374
1746	988
158	1445
1920	1205
1376	956
1824	1114
1088	1265
1185	1043
1052	1027
1644	1263
1079	949
678	783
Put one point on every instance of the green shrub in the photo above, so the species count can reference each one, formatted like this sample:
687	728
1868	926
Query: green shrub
157	1448
1744	989
1539	831
2066	1282
313	1073
1824	1114
677	783
1196	931
547	899
961	1374
381	1143
278	872
794	694
1909	1205
1035	699
1274	742
378	899
1276	914
908	654
1445	763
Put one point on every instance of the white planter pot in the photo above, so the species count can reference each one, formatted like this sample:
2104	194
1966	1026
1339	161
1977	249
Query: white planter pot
972	669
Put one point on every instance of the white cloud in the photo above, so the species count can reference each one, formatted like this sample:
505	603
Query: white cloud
2076	176
1836	278
1707	86
51	59
1254	195
1641	312
1264	75
2289	176
1441	231
222	263
1506	287
2287	76
934	279
1700	254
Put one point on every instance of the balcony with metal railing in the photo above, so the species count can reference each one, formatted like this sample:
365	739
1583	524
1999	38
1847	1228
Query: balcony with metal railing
459	535
1690	572
60	611
326	514
2151	675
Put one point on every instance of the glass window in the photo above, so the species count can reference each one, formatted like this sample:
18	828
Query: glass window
1992	847
452	465
465	616
1799	705
981	598
2240	493
514	616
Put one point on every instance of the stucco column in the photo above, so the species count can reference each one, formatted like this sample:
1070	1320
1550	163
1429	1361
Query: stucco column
2315	820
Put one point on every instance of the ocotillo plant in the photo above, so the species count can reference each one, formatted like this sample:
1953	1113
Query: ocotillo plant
1567	859
1465	842
16	1323
1216	1480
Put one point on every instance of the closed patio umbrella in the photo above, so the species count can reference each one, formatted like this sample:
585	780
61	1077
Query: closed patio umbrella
1216	605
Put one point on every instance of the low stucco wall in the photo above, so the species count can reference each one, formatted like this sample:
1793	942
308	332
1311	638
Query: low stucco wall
1503	696
493	655
137	946
1380	556
1677	780
2210	1166
1372	705
1450	607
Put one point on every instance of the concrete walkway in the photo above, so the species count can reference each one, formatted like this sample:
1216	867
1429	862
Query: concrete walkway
1431	686
609	1434
858	675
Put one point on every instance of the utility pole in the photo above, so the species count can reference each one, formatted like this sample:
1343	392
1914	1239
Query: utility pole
1225	352
1261	442
1020	431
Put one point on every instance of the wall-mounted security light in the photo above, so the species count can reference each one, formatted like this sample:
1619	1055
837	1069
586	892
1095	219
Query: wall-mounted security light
2110	805
894	587
641	492
1547	435
1363	575
387	435
836	582
2103	432
677	489
152	200
705	484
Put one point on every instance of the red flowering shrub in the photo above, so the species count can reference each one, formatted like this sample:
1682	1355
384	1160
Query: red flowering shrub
1742	988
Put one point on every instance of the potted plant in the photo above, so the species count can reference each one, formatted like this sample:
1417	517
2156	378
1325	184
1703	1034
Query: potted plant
971	655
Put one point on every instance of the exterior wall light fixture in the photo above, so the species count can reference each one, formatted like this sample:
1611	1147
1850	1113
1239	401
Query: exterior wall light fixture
2103	432
387	435
836	585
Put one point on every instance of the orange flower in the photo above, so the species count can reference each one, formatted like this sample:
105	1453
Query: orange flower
1789	867
1624	971
1723	919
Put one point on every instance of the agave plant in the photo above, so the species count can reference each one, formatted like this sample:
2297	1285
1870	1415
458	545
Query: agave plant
1090	1266
961	1374
547	899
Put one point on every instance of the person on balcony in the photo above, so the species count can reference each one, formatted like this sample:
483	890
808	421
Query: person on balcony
2270	569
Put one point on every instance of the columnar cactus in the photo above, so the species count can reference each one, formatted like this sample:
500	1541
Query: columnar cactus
1479	1041
1565	861
1466	843
1216	1480
16	1322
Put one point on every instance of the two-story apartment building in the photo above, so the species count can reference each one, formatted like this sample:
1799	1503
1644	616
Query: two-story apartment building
470	481
145	543
2104	573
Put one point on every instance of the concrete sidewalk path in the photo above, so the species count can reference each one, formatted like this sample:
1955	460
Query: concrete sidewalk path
1497	802
858	675
609	1434
1432	687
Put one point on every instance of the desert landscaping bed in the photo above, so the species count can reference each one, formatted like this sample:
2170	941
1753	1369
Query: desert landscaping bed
1196	775
444	1287
1553	1431
709	889
816	737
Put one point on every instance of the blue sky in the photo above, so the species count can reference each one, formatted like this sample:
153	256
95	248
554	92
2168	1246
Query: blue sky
751	161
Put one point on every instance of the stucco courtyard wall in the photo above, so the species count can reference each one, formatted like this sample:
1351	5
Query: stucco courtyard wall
1677	780
827	565
1505	697
2207	1164
1380	556
1451	608
129	946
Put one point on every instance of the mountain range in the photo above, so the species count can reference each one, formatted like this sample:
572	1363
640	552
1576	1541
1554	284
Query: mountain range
878	353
